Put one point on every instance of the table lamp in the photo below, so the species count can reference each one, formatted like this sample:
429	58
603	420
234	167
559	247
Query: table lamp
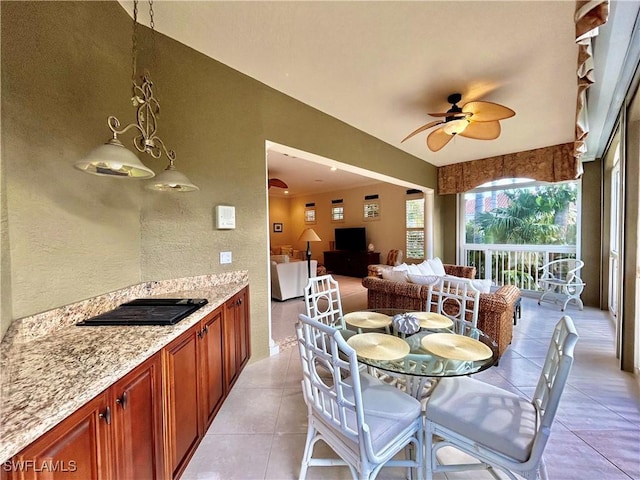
308	235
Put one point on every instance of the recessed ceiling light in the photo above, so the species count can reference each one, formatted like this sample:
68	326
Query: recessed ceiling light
286	192
333	169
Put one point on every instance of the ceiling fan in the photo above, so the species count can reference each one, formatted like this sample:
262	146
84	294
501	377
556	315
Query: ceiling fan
276	182
479	120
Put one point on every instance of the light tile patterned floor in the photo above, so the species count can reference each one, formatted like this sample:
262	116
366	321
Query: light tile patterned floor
260	430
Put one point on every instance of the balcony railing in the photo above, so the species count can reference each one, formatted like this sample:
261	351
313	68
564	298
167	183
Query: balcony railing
517	265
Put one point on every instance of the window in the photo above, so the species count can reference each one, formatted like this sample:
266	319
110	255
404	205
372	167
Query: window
534	213
415	225
371	208
337	211
310	213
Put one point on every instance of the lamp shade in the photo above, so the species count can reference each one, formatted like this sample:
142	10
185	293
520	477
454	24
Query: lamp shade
308	235
114	159
171	180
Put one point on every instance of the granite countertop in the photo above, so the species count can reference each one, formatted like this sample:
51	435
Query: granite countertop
45	378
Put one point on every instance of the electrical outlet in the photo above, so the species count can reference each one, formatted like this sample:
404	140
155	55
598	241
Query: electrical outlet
225	257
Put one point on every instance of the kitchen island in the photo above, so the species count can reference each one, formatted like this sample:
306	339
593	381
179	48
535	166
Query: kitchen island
51	368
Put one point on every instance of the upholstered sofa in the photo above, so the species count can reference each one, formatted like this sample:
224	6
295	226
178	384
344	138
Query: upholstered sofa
495	316
288	279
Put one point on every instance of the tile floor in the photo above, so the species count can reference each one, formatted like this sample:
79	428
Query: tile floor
260	431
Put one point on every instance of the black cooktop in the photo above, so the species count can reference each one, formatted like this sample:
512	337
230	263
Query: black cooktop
148	311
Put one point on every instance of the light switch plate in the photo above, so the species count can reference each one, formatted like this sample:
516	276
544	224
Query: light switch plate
225	257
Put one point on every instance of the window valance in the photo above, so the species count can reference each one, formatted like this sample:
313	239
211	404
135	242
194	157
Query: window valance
549	164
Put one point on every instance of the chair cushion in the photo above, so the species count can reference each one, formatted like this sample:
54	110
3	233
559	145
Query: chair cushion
490	416
387	410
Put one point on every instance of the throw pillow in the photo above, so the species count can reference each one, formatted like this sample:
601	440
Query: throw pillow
286	251
395	275
411	268
425	268
423	279
437	266
401	268
483	285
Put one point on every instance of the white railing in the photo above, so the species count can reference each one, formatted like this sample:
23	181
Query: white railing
517	265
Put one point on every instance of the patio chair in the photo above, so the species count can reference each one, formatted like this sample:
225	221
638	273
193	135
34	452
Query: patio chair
561	280
501	429
365	422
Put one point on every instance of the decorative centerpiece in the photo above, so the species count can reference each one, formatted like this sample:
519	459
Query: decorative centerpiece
406	323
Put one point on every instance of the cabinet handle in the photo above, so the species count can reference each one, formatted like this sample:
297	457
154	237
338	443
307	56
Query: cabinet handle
106	415
206	329
122	401
200	333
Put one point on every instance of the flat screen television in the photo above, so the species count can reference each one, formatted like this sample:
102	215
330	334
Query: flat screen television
351	239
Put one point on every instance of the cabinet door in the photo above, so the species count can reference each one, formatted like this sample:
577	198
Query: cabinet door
242	318
230	332
181	379
211	365
78	448
137	414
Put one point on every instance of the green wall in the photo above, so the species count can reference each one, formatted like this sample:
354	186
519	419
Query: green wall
65	68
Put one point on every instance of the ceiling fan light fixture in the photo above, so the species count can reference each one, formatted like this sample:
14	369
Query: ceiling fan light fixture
455	127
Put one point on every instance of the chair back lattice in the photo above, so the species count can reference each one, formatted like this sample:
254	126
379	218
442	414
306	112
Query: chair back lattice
553	378
322	301
330	379
457	299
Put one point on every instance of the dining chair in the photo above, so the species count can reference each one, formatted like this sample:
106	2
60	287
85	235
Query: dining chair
561	279
457	299
365	422
322	301
503	430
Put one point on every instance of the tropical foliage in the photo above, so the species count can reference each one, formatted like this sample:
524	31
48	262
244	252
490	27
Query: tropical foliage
541	215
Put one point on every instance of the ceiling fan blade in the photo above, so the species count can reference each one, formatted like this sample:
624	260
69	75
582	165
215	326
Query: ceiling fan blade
276	182
487	111
422	129
438	139
482	130
448	114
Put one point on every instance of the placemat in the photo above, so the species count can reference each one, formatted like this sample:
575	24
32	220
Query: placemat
379	346
456	347
367	319
432	319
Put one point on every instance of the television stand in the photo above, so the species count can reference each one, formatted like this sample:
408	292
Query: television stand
350	264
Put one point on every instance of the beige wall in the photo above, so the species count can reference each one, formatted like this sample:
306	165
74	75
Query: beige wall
72	235
385	234
280	212
591	232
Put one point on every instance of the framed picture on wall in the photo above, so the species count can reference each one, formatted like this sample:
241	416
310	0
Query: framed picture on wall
277	227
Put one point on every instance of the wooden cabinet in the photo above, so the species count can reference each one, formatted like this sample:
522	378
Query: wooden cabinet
194	377
351	264
116	435
237	346
148	424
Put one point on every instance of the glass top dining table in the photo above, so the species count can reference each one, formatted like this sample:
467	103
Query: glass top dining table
434	351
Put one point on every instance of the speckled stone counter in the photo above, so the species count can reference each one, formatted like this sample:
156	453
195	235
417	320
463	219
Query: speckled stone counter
49	367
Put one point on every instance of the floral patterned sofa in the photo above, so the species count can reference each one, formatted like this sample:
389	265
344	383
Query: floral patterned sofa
495	316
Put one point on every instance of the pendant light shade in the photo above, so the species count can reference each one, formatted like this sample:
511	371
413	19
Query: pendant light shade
114	159
171	180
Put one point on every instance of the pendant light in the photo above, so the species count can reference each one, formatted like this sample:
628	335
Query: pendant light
114	159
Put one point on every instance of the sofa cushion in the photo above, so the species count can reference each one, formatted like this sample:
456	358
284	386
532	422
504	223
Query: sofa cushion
423	279
425	268
280	258
395	275
482	284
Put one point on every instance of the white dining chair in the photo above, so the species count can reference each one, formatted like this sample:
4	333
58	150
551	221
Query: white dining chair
322	301
501	429
457	299
365	422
